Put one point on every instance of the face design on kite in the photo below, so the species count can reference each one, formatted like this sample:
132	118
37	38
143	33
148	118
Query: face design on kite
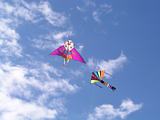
69	45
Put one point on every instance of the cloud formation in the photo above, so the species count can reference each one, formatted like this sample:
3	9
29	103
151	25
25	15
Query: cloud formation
29	89
54	18
101	11
15	13
17	109
9	38
110	66
51	41
109	112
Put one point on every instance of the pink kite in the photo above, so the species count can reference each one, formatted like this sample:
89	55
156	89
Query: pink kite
68	52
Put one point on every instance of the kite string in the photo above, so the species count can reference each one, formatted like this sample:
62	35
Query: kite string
98	85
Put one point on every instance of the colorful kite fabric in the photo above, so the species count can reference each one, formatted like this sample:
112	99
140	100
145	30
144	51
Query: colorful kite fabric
59	51
68	52
76	56
98	77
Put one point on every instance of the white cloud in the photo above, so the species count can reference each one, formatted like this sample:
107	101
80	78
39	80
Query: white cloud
51	16
44	42
9	38
109	66
52	41
33	90
106	8
80	9
62	35
20	85
101	11
76	73
13	14
9	20
29	11
6	7
6	30
90	3
96	15
19	77
17	109
50	69
109	112
17	10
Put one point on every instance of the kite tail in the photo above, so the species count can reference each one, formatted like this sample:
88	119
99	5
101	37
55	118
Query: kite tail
66	61
112	87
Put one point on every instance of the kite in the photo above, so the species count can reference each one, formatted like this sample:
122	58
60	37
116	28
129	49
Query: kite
68	52
97	77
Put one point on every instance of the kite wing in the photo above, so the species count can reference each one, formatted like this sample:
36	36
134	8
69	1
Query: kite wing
94	78
101	74
59	51
97	76
76	56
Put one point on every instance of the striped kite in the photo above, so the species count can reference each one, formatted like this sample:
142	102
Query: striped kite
97	77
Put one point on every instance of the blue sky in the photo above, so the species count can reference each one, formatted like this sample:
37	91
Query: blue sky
121	37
